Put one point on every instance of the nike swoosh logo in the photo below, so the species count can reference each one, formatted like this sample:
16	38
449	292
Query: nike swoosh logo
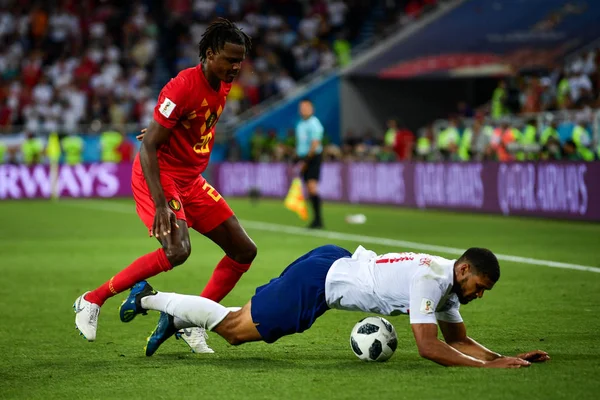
78	307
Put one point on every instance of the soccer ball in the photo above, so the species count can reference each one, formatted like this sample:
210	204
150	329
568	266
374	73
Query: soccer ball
373	339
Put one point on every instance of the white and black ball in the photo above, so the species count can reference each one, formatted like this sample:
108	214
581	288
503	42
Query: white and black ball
373	339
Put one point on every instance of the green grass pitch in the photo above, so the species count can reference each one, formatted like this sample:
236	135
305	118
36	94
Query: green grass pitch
52	252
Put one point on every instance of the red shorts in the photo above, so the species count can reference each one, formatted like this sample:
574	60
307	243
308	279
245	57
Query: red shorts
197	203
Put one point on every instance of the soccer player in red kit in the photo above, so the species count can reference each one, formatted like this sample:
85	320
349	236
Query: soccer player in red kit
170	193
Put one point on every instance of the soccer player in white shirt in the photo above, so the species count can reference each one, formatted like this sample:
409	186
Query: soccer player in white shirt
428	288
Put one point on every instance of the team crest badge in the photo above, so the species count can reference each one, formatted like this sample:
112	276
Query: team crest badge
211	121
175	205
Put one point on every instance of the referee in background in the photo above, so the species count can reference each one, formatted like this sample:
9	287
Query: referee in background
309	149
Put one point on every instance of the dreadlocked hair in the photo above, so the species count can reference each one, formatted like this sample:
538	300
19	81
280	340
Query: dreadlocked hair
218	33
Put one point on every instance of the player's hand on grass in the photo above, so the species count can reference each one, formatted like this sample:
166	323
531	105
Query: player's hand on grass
164	221
535	356
140	137
507	362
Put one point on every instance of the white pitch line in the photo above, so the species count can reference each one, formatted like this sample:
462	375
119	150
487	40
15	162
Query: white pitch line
293	230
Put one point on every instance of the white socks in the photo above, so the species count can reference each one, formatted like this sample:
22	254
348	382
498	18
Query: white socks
193	310
182	324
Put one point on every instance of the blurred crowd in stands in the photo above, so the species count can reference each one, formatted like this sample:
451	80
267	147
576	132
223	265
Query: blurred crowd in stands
71	62
74	66
292	39
530	116
64	63
548	137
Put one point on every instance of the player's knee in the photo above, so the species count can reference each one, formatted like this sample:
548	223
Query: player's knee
177	254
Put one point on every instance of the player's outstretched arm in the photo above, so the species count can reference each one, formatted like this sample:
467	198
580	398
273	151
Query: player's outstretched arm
164	218
433	349
455	334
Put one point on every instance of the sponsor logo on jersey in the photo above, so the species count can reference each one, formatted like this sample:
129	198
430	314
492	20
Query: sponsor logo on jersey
175	205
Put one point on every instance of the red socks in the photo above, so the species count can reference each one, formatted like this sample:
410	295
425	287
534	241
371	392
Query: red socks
143	268
225	276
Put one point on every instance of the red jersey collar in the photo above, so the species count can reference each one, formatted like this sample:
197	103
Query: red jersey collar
203	77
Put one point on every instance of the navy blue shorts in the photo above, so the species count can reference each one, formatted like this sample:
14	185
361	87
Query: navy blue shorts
292	302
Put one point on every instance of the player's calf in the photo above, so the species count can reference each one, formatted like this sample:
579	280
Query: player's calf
233	239
238	328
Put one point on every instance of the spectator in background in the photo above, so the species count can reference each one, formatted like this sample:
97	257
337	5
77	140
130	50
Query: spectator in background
126	150
389	138
369	147
448	140
499	100
551	131
551	149
547	95
532	95
271	144
72	146
413	9
581	139
475	142
337	10
32	150
580	86
504	137
403	143
257	145
109	144
424	148
528	140
571	151
342	49
284	82
289	144
6	113
563	90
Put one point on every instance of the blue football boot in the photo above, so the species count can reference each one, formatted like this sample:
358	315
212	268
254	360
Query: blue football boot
132	305
164	330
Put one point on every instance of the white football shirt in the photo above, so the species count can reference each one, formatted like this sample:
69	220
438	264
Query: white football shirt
395	283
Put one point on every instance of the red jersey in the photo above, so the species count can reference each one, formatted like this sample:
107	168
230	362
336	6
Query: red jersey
190	107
